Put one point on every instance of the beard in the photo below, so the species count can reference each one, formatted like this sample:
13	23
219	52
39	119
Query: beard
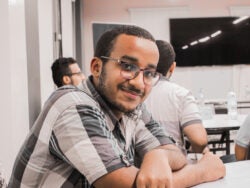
104	89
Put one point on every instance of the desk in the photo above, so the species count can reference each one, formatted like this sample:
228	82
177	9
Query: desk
237	175
221	124
220	106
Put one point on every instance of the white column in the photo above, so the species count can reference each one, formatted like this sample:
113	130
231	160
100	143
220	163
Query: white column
67	28
45	21
14	96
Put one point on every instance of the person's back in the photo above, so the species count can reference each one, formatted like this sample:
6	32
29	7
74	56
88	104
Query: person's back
171	104
174	106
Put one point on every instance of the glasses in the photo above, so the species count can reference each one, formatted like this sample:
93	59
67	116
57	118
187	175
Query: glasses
75	73
130	71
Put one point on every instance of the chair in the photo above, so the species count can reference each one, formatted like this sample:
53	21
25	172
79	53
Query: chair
219	139
228	158
248	153
220	110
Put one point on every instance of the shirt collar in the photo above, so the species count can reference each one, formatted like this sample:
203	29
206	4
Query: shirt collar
100	100
164	78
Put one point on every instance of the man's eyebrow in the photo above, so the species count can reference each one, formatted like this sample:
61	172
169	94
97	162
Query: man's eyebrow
135	60
132	59
151	66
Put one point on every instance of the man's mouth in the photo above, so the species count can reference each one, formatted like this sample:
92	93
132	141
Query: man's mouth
132	91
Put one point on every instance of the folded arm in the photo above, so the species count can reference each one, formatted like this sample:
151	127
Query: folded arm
156	171
209	168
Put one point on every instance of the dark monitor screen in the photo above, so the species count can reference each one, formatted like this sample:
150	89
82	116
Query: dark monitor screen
210	41
100	28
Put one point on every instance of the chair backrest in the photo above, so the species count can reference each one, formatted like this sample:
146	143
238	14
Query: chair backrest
248	153
228	158
221	110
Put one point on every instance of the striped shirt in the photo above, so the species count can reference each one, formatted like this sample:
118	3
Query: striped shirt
77	139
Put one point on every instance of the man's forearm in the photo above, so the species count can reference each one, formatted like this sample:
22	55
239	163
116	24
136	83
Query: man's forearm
176	158
181	179
209	168
240	152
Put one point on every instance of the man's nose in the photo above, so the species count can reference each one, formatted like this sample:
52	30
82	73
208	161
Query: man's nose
138	80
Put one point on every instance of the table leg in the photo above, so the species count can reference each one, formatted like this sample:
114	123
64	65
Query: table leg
228	142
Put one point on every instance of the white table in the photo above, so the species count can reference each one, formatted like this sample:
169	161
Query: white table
222	124
237	176
223	121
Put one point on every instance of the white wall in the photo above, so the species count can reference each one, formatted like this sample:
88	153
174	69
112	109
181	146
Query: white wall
45	45
154	16
216	81
67	28
14	99
22	65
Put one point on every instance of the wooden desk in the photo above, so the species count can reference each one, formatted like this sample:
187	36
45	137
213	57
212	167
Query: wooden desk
220	124
237	176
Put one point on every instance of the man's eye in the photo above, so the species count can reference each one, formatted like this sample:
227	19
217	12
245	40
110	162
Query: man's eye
149	74
128	66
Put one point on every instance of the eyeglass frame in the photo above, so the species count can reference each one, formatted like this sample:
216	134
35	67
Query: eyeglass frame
136	73
74	73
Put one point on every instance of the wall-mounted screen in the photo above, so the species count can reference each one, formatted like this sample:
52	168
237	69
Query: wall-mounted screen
211	41
100	28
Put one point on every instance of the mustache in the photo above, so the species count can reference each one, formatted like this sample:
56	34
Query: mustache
131	89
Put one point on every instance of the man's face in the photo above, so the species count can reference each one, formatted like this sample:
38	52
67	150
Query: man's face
76	75
122	94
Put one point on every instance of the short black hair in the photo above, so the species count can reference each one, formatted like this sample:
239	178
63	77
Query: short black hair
167	56
60	68
106	42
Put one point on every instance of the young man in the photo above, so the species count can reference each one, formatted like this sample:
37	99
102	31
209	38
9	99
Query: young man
88	137
66	71
178	112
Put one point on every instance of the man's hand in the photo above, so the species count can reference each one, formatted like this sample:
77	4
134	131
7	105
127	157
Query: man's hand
214	167
208	168
155	171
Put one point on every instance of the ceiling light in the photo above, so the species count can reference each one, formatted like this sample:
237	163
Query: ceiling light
194	43
216	33
204	39
184	47
240	19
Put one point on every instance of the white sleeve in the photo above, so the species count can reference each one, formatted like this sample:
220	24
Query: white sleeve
243	135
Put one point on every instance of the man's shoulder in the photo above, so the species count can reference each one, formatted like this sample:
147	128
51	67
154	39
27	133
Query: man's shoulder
70	95
173	87
246	124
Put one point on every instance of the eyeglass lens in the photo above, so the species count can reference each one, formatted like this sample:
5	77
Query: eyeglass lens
130	71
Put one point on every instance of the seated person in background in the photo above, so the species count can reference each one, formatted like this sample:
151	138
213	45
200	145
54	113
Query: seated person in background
66	71
242	141
175	107
88	136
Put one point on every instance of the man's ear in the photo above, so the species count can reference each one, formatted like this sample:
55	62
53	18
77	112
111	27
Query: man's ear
172	67
96	66
66	80
171	70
